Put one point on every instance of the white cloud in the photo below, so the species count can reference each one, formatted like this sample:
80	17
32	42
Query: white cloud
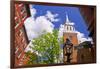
61	29
37	26
43	24
81	37
51	16
30	27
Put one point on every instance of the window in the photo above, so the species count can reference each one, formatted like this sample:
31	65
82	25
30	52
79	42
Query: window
67	27
70	28
73	29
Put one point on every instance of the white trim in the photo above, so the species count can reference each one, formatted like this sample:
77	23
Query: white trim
16	26
16	50
19	55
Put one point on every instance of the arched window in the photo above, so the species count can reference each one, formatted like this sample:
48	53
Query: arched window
70	28
67	27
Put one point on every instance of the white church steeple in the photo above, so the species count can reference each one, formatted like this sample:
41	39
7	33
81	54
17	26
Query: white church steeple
68	26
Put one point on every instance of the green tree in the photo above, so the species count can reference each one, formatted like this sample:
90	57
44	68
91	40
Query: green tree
32	58
48	47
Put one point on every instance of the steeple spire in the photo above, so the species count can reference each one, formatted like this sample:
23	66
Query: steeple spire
67	19
69	26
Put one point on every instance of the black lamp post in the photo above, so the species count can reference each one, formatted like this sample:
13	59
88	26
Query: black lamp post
68	50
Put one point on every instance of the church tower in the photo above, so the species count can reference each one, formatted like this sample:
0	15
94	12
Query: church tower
69	33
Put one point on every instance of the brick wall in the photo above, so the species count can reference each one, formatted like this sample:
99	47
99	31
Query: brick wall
21	40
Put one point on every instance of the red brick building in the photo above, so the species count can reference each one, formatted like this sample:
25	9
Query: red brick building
69	32
21	39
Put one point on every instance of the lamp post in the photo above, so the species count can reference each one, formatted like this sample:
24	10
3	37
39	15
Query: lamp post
68	48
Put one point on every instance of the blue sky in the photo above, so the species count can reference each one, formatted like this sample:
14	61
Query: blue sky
73	14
